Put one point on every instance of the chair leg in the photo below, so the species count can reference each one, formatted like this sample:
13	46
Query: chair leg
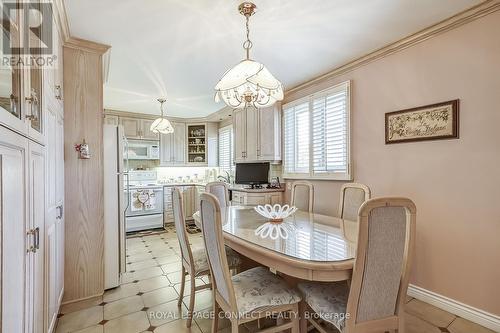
183	284
294	317
234	326
302	316
215	320
191	302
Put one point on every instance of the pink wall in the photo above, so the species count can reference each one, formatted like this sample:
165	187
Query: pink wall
454	183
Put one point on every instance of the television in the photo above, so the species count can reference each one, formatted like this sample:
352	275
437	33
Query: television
252	173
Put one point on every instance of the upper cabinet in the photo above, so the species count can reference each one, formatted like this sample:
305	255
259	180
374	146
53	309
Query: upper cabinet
257	134
173	146
138	128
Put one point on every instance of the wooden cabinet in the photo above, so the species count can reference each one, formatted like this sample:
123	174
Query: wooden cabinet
257	134
173	146
256	198
189	195
111	120
137	128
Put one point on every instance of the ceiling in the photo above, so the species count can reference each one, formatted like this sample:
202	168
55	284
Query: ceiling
180	49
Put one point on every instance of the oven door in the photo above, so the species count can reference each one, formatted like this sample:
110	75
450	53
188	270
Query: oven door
145	201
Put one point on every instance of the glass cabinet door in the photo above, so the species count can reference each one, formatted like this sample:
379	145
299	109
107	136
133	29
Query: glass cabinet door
10	77
34	95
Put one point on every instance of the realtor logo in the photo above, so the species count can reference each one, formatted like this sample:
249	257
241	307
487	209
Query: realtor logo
27	34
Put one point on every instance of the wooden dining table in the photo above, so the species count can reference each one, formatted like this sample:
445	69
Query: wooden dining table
317	247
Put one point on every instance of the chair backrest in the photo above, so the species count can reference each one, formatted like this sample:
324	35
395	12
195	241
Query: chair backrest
180	226
381	271
352	196
221	192
302	195
216	253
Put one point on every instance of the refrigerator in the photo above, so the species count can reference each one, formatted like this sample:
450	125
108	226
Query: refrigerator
116	202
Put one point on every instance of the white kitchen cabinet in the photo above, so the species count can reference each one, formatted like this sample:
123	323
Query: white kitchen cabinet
257	134
173	146
137	128
256	197
146	133
111	120
189	198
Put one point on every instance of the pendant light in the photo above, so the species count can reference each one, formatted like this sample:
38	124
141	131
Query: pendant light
249	83
162	125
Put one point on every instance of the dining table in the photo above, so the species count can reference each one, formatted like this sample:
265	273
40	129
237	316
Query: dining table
314	247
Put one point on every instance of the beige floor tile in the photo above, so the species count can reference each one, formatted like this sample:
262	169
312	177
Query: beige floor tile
177	326
176	278
172	267
92	329
416	325
408	298
142	264
127	277
123	291
80	319
187	288
153	283
159	296
165	313
132	323
123	307
205	323
429	313
158	253
202	300
139	257
147	273
76	306
461	325
168	259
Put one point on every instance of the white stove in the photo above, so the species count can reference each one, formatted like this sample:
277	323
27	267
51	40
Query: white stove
145	205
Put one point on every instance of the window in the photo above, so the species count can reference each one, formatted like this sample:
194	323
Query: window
226	149
316	135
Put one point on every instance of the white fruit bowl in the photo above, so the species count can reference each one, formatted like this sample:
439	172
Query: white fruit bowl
275	213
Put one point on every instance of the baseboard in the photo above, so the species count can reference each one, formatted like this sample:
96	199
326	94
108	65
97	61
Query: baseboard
465	311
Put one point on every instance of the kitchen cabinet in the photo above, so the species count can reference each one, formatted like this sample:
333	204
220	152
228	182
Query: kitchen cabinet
257	134
22	195
256	197
111	120
173	146
189	199
138	128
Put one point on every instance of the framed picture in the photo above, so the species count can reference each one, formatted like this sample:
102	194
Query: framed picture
430	122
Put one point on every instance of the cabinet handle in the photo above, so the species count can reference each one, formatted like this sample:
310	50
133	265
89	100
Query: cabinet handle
37	239
33	101
33	246
58	92
60	212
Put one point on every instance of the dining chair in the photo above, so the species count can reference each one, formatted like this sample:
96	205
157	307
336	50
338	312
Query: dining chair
249	295
375	299
302	195
221	192
352	196
194	261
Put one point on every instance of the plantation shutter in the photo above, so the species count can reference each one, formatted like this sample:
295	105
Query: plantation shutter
296	139
226	148
330	132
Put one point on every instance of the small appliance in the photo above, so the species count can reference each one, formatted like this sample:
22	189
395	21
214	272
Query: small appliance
143	150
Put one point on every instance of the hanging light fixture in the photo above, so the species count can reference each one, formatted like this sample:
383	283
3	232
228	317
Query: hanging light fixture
249	83
161	125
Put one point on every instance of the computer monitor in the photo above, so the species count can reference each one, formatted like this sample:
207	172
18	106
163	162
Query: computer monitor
252	173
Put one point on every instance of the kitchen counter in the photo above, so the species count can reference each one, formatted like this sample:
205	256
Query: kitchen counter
256	190
183	184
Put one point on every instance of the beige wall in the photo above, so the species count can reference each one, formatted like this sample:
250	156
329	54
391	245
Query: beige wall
454	183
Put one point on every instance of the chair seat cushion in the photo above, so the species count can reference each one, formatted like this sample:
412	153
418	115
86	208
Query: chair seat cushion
328	300
201	263
258	288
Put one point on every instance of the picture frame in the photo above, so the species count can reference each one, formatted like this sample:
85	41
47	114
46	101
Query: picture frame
430	122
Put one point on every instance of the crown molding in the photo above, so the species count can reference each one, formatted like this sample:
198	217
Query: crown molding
111	112
61	17
466	16
86	45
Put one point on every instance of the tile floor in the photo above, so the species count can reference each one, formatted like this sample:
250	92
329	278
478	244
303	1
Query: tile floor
147	299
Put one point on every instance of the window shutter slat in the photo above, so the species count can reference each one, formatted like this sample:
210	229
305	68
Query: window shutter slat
226	149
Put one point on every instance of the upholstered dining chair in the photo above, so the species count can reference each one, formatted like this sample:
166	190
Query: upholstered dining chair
302	195
221	192
375	300
352	196
194	261
249	295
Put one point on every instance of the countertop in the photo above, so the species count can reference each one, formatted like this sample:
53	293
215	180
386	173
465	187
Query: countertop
256	190
183	184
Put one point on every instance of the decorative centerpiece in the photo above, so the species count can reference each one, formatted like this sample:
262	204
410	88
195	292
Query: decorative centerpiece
275	213
275	228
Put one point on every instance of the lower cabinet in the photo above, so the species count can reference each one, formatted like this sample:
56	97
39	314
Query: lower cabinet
22	195
256	198
189	195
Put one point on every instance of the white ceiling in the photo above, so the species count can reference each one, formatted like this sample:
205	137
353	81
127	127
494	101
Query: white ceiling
180	48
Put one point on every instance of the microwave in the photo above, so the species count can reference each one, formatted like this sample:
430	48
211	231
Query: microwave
143	150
